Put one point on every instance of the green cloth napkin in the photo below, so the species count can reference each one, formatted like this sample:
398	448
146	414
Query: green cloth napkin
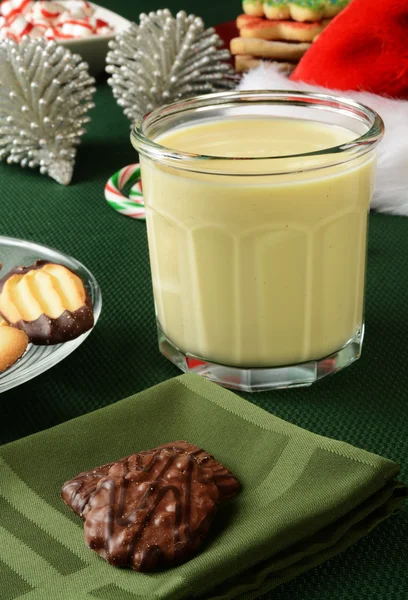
305	498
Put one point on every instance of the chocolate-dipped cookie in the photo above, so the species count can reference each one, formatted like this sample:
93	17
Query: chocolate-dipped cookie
153	509
47	301
13	344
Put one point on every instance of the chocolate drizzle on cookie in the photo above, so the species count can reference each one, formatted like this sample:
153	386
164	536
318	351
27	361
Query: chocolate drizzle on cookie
153	509
77	492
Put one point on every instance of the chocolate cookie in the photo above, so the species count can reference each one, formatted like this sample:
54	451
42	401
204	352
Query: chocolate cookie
77	492
153	509
47	301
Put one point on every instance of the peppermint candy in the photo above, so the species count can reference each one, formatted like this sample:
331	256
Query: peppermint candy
12	8
41	23
48	11
5	33
51	33
20	27
76	28
36	31
47	18
104	31
77	13
80	6
102	27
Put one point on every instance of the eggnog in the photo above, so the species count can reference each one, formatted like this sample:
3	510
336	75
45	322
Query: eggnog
258	270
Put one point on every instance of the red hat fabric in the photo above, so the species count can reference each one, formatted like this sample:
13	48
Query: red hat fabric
365	48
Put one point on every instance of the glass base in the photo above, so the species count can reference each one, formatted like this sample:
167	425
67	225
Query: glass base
261	380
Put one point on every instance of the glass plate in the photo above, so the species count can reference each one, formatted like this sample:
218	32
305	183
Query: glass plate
37	359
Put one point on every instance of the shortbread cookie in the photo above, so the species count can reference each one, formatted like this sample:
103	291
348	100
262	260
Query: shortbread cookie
48	301
254	27
13	344
285	51
254	8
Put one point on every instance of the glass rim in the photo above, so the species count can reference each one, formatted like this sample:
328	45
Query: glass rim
331	102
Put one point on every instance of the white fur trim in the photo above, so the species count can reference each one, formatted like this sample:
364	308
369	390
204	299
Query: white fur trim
391	191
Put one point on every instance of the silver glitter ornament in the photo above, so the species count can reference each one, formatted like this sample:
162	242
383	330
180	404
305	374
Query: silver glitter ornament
45	95
165	59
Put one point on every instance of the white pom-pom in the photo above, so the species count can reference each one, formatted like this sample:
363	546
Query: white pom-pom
391	190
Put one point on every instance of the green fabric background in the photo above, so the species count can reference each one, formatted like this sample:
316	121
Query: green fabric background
365	405
291	513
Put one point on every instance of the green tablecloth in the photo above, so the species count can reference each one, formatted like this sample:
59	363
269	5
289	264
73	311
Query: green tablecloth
366	405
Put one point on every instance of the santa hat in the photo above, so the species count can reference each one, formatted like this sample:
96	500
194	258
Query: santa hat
362	54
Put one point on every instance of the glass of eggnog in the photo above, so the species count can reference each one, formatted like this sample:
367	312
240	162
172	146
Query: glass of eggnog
256	210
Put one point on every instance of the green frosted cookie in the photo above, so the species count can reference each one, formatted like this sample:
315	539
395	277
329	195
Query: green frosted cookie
276	2
312	4
339	3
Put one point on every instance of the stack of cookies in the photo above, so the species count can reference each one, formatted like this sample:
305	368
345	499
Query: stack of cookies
280	30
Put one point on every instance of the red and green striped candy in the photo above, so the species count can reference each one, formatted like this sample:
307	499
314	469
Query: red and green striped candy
133	206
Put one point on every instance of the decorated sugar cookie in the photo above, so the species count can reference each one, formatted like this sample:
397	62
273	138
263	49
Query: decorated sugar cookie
333	7
253	8
297	10
264	29
276	9
307	10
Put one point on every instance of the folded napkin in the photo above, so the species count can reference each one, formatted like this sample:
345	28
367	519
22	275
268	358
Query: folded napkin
305	498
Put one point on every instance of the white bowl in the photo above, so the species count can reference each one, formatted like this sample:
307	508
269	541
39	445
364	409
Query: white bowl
94	49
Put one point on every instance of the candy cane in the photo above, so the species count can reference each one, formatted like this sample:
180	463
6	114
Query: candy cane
133	206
